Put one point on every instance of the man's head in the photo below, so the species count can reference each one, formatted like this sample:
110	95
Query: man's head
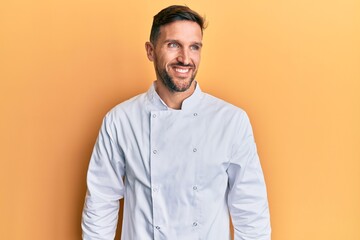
171	14
175	46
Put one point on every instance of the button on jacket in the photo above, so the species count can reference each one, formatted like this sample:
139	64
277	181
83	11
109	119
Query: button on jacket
182	173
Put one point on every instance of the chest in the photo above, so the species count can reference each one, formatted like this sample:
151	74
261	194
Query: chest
177	145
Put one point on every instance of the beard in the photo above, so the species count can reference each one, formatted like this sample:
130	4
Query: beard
169	82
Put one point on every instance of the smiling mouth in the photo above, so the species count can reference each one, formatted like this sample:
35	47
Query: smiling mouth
182	70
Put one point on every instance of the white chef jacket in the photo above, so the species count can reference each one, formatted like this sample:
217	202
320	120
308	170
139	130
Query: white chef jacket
186	172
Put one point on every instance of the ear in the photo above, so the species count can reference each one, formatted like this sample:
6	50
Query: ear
149	47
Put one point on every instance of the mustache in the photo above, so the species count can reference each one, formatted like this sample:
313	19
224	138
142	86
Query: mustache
180	64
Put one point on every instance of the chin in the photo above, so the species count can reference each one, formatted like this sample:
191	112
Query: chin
182	85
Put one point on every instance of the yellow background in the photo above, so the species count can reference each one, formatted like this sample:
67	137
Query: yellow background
294	66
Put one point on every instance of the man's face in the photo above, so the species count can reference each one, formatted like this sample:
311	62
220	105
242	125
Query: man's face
176	54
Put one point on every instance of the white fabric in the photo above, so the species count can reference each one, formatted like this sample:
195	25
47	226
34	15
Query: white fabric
185	171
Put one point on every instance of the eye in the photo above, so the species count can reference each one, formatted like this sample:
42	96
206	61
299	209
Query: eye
195	47
173	45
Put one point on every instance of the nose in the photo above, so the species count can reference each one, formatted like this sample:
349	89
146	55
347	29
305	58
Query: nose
184	57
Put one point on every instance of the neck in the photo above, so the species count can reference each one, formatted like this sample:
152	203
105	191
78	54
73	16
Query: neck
173	99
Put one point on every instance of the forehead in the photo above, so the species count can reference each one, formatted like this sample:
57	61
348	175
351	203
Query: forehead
181	30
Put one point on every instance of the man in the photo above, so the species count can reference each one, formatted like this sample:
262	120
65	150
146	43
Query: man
189	159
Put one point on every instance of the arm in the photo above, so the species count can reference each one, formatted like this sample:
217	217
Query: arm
104	187
247	198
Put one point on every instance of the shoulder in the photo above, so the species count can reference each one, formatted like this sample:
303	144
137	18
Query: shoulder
225	113
126	108
221	106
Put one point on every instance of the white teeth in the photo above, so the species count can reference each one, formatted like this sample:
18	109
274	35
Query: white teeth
180	70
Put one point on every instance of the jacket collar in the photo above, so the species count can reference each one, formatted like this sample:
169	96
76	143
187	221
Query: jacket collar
159	104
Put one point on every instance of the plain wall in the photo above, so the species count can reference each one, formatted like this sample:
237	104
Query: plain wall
294	66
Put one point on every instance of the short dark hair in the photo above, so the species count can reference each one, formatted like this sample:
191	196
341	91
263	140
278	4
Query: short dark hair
171	14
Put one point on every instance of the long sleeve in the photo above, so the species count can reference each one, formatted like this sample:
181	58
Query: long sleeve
247	198
104	186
